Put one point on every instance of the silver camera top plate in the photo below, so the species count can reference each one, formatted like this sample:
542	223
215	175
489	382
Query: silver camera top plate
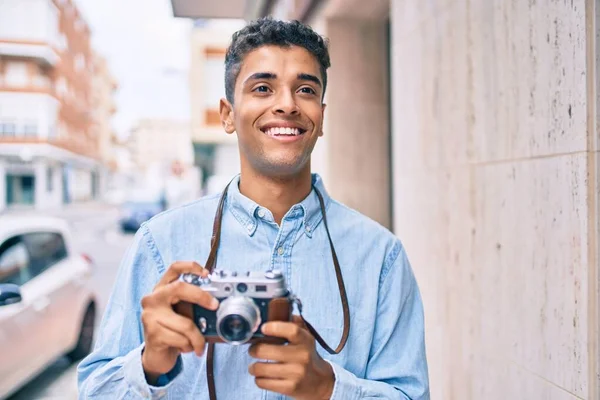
221	283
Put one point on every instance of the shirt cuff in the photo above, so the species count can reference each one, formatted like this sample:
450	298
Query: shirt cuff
134	376
346	385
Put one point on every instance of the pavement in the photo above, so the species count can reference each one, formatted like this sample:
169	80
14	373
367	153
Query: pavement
96	233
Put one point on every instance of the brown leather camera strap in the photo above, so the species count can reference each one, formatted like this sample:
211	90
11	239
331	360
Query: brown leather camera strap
211	263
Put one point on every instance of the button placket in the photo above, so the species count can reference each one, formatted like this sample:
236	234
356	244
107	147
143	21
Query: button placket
280	256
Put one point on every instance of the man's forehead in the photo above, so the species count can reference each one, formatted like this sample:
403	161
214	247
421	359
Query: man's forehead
278	60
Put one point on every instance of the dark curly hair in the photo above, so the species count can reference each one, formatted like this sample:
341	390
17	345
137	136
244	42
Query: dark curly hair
268	31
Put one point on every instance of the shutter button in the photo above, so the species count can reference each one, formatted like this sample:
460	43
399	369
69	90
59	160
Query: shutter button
273	274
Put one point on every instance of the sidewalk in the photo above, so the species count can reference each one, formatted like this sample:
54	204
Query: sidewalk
67	211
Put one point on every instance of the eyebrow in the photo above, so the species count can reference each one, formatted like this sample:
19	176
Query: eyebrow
261	75
309	77
272	76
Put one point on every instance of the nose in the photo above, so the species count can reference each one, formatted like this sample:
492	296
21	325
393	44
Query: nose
285	104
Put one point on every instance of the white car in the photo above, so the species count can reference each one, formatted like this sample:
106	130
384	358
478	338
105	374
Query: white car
47	306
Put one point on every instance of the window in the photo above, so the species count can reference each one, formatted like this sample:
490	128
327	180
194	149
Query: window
49	179
61	87
41	80
214	90
45	250
30	129
79	25
79	62
8	129
16	74
62	42
14	262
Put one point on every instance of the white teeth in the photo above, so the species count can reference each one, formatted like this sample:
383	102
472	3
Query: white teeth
283	131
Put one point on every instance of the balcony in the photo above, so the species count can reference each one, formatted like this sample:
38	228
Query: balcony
41	52
30	29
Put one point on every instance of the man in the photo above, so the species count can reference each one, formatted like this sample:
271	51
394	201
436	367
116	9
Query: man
275	82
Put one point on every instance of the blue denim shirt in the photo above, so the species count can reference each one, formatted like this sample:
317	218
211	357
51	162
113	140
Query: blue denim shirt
384	357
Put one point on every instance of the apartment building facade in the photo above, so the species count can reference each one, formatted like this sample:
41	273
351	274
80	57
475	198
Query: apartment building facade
215	152
471	129
49	149
104	107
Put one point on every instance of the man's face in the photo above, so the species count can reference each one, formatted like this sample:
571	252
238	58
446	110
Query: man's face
277	111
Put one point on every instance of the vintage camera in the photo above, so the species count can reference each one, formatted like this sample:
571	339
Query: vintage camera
247	301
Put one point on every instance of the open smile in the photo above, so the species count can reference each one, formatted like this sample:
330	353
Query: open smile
283	132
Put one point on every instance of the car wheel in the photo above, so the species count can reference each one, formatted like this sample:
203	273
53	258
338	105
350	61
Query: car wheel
86	335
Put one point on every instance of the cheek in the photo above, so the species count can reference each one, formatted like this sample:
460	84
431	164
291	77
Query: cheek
314	113
247	116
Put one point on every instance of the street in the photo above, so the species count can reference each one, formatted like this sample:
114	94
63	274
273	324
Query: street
95	233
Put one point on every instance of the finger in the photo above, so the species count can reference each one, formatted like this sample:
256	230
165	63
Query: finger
274	352
275	370
181	267
185	327
296	319
178	291
287	330
164	337
283	386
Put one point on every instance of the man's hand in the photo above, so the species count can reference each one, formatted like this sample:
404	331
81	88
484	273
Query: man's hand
166	333
298	371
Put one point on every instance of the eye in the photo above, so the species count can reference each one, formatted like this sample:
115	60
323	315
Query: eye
307	90
261	89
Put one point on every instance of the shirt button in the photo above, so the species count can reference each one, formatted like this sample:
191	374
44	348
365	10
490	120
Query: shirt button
261	213
280	251
308	229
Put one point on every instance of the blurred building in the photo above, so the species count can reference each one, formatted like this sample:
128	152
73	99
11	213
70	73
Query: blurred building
471	129
104	87
160	142
49	154
215	152
162	155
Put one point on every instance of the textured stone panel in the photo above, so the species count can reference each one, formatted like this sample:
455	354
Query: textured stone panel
500	252
489	80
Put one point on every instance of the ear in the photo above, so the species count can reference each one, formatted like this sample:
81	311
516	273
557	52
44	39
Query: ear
226	113
323	107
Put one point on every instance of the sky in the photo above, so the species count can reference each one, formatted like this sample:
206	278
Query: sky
147	50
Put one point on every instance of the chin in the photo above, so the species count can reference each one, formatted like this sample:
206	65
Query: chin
281	168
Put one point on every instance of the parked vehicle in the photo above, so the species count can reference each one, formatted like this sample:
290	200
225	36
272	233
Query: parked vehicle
47	306
139	208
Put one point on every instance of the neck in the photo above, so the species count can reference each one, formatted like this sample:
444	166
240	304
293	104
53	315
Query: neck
276	194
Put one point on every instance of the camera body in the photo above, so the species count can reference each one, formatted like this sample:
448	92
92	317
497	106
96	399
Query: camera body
247	301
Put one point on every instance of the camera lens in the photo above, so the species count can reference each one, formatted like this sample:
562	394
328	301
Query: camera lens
242	287
234	328
238	317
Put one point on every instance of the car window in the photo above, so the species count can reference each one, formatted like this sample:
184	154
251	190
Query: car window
45	250
14	262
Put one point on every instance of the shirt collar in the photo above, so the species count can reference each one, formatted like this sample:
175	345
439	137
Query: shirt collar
245	210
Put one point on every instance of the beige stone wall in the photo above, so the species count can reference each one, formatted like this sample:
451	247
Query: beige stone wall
357	128
496	189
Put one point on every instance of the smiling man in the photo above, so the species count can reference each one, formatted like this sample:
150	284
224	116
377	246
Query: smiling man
276	215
